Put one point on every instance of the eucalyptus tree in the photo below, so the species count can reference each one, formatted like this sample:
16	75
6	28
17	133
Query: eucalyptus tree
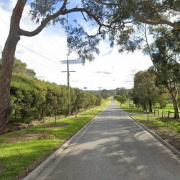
166	58
117	18
122	91
145	90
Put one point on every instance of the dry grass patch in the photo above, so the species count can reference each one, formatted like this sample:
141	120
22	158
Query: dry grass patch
29	136
55	125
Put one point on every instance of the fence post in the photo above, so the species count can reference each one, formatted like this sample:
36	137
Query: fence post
168	113
148	116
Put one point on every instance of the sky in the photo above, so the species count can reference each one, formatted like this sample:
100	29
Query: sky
45	52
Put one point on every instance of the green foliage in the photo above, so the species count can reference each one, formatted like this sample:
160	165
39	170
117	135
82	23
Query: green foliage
105	93
163	96
165	57
145	92
34	99
21	68
122	91
122	99
18	151
119	20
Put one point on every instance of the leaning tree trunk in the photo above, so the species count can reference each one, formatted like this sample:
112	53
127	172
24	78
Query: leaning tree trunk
175	105
7	63
176	113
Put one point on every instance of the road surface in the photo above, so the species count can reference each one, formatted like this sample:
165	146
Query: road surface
114	148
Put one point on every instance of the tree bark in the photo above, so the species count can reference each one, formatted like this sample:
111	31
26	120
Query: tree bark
176	113
175	105
150	106
7	63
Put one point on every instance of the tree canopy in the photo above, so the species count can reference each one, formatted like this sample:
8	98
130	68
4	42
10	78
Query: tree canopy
165	56
117	20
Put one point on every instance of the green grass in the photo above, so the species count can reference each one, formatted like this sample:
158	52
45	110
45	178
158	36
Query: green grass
18	153
171	123
126	108
134	109
152	121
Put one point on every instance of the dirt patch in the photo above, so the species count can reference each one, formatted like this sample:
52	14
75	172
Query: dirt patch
55	125
30	136
11	127
14	127
166	134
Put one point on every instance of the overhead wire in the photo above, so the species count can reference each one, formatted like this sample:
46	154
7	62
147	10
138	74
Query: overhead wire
19	56
38	45
49	34
35	52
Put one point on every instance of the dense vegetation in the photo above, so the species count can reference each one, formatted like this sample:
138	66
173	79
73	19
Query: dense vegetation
34	99
22	151
148	91
119	21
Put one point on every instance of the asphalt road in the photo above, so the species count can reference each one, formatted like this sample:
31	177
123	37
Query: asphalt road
114	148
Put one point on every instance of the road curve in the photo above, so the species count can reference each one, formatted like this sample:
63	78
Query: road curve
114	148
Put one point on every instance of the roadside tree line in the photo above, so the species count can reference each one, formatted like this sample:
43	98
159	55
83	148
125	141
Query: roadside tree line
161	81
34	99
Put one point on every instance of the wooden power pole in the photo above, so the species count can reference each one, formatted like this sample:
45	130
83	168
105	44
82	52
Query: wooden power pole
68	85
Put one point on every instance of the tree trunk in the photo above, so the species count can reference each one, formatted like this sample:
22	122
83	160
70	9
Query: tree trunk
7	63
175	106
150	106
176	113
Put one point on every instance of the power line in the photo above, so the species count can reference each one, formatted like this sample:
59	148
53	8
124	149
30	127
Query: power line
38	54
35	52
47	32
51	36
43	49
30	60
35	43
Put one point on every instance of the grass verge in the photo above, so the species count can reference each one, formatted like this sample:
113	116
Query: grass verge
167	128
22	151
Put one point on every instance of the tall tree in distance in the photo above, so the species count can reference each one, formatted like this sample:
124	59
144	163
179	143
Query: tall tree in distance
145	91
166	60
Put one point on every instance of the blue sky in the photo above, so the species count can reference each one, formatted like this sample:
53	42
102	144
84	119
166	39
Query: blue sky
44	52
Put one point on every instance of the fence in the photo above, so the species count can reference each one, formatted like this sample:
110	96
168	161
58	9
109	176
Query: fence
164	114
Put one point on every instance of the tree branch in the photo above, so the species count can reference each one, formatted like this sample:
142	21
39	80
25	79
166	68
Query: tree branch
141	19
153	22
58	13
44	22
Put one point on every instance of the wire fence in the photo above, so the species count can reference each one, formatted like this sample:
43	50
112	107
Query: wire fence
156	113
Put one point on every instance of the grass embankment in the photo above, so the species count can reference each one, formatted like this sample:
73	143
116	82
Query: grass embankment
167	128
23	150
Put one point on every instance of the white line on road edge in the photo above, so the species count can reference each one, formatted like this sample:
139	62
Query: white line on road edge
78	135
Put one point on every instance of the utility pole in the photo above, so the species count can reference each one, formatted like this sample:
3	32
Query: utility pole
68	85
68	77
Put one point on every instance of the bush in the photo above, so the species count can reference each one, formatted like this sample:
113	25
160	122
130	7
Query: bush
33	99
